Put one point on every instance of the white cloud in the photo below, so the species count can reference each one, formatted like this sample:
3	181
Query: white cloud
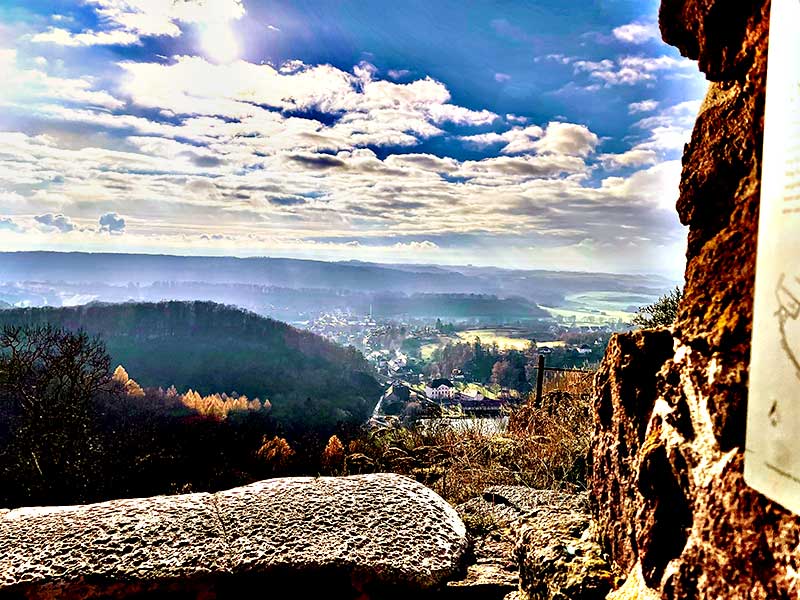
459	115
558	138
57	222
416	246
643	106
630	70
636	157
370	112
25	85
670	129
567	138
637	33
112	223
8	224
130	20
62	37
8	199
515	140
523	166
657	185
559	58
502	77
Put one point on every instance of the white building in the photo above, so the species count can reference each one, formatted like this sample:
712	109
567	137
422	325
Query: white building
440	389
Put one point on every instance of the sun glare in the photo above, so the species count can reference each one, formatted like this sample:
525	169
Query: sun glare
219	42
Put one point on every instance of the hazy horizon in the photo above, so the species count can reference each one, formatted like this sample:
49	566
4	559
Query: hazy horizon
344	261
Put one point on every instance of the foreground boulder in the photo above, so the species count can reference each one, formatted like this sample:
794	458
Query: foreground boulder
344	537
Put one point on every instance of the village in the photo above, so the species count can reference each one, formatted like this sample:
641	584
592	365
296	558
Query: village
423	381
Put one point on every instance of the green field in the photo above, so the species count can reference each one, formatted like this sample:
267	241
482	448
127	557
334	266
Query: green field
507	338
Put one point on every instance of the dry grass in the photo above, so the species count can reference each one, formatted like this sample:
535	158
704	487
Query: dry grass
543	447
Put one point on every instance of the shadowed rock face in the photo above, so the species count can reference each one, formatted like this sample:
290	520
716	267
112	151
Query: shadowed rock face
373	534
675	511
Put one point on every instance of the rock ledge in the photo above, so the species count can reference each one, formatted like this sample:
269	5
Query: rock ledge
345	536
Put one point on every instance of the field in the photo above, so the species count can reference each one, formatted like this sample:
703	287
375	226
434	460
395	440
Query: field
507	338
426	351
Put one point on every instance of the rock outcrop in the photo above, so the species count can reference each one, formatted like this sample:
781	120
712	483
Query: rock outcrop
558	560
532	545
670	501
364	535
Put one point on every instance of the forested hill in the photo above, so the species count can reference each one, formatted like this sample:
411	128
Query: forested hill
214	348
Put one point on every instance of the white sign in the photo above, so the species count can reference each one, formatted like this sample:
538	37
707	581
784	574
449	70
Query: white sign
772	459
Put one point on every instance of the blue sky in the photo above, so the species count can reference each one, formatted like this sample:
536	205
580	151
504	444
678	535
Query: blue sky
520	134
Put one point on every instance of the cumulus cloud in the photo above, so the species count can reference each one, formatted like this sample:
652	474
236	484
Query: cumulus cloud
637	33
112	223
130	20
228	100
502	77
57	222
515	140
636	157
567	138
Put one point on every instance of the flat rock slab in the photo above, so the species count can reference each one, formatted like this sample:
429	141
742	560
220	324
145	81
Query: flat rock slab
343	535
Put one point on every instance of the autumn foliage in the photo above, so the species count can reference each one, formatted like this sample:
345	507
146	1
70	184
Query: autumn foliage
217	406
275	455
332	461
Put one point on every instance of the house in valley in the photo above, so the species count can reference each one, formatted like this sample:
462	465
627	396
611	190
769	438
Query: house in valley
440	389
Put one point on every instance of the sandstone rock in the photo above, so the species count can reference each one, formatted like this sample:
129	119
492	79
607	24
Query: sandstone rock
557	558
367	534
675	512
492	522
530	544
626	396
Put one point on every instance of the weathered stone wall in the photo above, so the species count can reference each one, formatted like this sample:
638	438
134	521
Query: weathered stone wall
670	501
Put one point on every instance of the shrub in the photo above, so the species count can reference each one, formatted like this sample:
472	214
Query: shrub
662	313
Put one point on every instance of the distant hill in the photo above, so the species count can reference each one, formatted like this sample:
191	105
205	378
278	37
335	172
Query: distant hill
550	288
215	348
457	306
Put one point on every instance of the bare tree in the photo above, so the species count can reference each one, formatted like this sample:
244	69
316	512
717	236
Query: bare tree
48	380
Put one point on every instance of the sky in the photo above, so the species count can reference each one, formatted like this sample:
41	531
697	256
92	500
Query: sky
542	134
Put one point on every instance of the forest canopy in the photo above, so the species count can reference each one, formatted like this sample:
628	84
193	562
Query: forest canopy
212	348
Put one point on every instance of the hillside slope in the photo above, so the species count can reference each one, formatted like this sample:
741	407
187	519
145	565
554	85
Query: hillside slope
214	348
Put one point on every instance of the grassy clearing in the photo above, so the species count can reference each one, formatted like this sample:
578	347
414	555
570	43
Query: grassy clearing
504	338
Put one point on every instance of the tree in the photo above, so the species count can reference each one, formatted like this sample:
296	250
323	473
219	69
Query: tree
333	456
661	313
275	455
48	380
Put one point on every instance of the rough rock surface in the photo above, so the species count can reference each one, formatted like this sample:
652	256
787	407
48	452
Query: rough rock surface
367	534
558	560
676	513
531	544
